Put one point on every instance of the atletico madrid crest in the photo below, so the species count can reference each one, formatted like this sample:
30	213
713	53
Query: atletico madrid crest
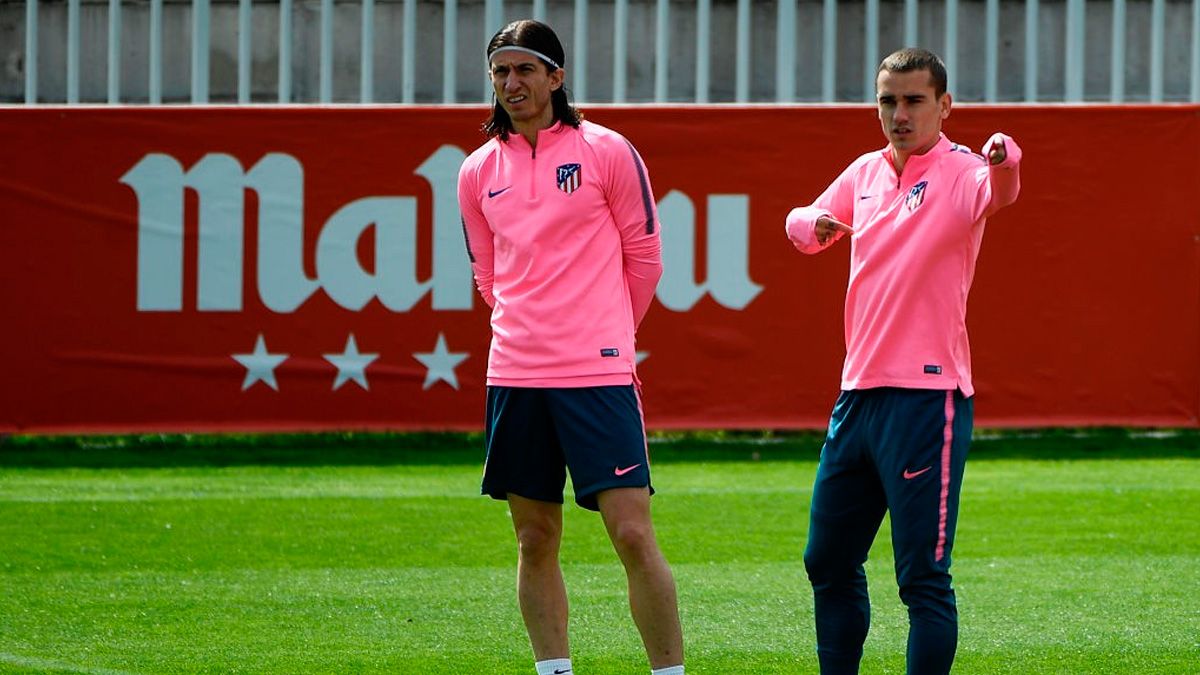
916	196
570	177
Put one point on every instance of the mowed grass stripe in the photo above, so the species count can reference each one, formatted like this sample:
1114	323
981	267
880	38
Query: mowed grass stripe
761	612
695	521
1011	477
15	662
1080	566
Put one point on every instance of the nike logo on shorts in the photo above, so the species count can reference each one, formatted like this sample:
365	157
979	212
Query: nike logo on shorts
621	472
561	672
493	194
909	475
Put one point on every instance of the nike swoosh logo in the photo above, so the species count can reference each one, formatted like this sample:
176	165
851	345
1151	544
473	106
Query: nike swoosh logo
862	197
909	475
621	472
493	194
562	672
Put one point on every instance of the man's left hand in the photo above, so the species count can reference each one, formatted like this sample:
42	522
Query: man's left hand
998	153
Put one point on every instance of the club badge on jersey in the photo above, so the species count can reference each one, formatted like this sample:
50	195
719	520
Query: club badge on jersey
570	177
916	196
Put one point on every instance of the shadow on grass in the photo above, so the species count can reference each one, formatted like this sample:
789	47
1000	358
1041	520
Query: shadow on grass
385	449
456	448
216	450
988	445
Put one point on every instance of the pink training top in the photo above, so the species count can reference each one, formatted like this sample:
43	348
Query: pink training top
912	259
564	244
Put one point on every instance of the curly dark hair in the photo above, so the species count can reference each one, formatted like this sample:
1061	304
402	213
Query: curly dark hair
539	37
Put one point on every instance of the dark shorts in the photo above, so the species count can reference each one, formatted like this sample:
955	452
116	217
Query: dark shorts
535	435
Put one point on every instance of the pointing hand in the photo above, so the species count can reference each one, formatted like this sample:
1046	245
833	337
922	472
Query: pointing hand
828	227
998	153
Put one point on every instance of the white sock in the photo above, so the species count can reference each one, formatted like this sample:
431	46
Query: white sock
669	670
553	667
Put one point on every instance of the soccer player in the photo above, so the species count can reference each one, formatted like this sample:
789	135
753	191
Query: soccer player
563	237
897	441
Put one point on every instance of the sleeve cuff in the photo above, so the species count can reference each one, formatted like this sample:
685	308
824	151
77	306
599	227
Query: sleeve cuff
801	226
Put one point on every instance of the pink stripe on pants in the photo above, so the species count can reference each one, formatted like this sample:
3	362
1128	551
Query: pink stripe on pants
947	441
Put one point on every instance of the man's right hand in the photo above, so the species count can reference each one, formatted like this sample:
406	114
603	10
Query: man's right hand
828	227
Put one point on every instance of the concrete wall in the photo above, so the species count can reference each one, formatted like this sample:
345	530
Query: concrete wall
968	62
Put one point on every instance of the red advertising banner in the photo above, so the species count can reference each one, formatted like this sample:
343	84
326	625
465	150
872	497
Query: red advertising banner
206	269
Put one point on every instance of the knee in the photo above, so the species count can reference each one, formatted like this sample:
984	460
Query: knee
830	573
929	593
823	568
814	565
634	541
538	542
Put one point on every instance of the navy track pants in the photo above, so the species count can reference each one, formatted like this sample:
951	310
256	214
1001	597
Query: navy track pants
893	450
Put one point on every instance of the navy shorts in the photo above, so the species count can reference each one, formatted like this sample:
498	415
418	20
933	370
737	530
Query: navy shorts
535	435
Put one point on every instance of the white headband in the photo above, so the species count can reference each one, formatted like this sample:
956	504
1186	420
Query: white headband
526	50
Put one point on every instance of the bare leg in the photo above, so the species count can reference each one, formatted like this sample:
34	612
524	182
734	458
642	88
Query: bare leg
652	600
540	589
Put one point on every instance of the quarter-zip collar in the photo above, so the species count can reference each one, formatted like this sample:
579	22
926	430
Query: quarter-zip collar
545	138
917	164
525	155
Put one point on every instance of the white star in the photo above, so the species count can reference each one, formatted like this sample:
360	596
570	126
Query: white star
641	356
440	363
260	365
351	364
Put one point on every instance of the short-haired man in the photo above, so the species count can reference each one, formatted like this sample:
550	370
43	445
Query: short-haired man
899	432
563	237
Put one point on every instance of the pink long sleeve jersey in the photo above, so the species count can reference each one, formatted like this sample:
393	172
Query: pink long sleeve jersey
912	259
564	244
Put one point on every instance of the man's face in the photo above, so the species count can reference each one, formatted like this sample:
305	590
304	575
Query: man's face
910	111
523	84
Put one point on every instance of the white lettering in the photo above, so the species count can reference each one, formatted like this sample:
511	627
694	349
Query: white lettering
453	285
157	180
728	252
220	182
282	284
395	220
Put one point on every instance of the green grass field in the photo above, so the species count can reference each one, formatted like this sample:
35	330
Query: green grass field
374	554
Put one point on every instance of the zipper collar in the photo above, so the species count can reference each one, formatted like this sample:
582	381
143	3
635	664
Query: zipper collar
545	138
917	164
